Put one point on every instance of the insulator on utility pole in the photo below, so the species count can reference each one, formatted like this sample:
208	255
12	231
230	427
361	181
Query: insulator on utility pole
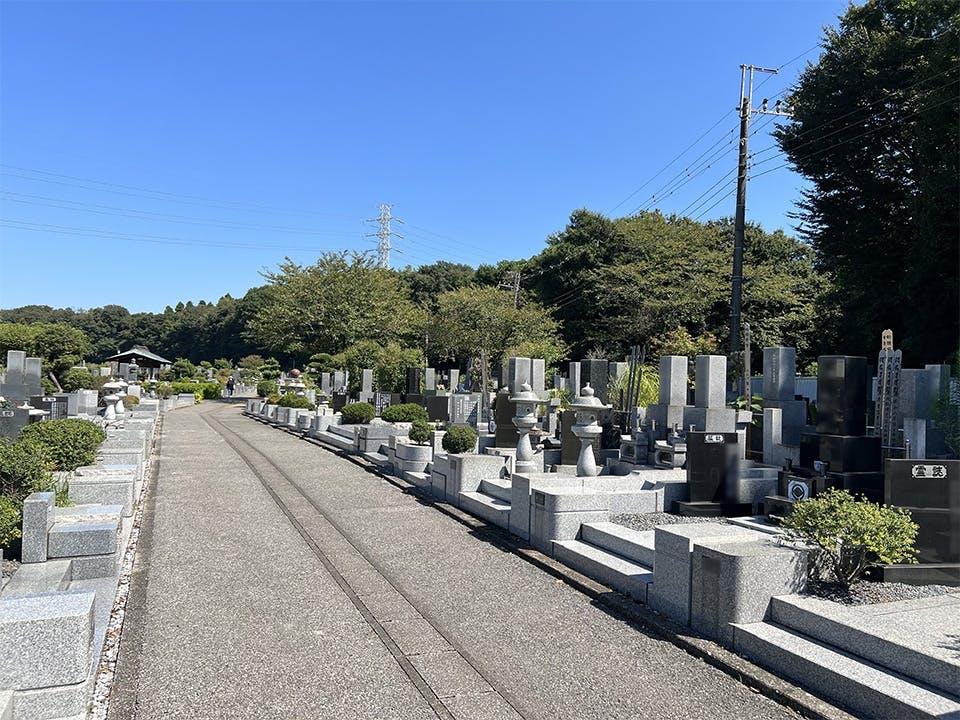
511	281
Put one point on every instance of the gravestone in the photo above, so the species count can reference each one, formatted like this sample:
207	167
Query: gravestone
31	375
888	392
381	401
339	399
779	392
538	370
506	434
414	376
326	384
12	421
430	380
596	373
14	386
55	405
516	372
464	408
574	380
438	408
339	381
366	386
454	380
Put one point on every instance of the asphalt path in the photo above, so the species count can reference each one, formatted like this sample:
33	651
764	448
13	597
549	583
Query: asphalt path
275	579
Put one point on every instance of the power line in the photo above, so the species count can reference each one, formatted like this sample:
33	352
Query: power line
384	234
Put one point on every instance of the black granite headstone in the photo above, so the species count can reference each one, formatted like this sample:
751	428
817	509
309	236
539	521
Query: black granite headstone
12	421
503	414
438	408
842	395
56	406
414	376
339	400
713	462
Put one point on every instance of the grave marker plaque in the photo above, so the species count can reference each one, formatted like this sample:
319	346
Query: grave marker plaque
56	406
381	401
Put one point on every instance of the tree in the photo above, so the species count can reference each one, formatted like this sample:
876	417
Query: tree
326	307
473	320
875	128
429	281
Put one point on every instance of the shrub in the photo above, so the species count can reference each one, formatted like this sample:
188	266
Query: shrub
130	401
296	401
358	413
405	412
420	431
70	443
10	513
24	468
265	388
183	368
273	398
211	390
460	439
852	535
78	379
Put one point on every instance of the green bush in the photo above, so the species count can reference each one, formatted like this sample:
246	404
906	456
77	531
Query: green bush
460	439
851	535
405	412
211	390
295	401
357	413
24	468
78	379
183	368
10	514
265	388
273	398
70	443
130	401
420	431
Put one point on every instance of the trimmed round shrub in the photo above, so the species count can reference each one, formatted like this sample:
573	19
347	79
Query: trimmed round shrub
130	401
10	513
24	468
419	431
460	439
295	401
357	413
211	390
405	412
265	388
71	442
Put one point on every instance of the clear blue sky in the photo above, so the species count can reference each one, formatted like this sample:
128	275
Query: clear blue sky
154	152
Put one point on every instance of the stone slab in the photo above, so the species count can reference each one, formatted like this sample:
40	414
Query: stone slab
37	519
47	639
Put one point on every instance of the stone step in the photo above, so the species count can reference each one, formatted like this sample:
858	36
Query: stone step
634	545
6	704
756	522
84	530
338	441
38	578
627	576
892	649
421	480
377	458
481	505
499	488
866	689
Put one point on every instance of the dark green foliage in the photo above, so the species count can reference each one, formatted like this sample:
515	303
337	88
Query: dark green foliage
203	390
460	439
78	379
265	388
295	401
270	370
852	535
406	412
875	129
24	468
183	369
428	281
10	514
69	443
357	413
419	431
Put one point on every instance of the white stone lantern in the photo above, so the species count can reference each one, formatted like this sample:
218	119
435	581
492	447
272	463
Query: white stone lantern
111	399
587	429
525	419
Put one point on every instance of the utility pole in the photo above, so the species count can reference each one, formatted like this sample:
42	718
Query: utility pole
511	281
383	235
739	225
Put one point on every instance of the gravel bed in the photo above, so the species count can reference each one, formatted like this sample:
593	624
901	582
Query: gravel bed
872	593
862	593
648	521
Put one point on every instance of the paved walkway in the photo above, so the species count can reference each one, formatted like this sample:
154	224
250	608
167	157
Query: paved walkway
277	580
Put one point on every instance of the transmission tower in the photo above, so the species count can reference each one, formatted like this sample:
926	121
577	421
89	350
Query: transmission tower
384	234
511	281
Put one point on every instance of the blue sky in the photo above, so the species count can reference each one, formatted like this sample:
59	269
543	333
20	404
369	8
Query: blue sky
164	151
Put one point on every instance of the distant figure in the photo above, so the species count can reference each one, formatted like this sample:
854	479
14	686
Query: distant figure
230	385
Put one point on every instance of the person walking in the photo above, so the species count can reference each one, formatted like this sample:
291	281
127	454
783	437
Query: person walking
230	386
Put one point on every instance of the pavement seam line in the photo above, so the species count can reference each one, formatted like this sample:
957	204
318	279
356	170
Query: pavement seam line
428	694
741	669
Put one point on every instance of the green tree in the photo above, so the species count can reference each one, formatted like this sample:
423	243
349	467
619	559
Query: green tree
482	319
427	282
328	306
875	129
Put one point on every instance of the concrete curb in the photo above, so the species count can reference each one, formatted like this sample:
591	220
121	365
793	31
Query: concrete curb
746	672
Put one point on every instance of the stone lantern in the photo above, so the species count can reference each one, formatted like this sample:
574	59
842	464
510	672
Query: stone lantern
122	392
294	385
587	429
111	399
525	420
